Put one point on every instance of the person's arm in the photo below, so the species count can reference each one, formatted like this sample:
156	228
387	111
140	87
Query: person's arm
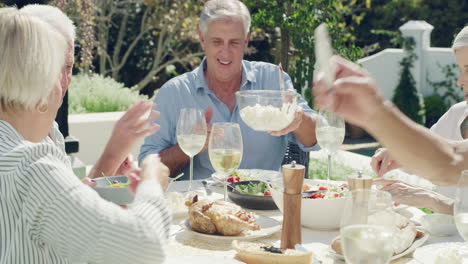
72	220
355	97
403	193
417	149
305	133
131	127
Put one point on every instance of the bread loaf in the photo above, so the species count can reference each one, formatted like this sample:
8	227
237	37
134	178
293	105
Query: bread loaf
260	253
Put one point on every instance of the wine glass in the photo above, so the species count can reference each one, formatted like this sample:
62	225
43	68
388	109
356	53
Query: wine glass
191	134
225	149
367	227
460	209
330	132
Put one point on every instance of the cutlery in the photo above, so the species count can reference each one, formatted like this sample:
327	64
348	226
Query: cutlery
306	194
171	180
207	188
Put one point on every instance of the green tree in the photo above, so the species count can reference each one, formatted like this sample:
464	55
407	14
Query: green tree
406	97
295	21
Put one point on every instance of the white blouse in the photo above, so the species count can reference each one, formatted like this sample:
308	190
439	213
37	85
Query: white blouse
48	216
448	126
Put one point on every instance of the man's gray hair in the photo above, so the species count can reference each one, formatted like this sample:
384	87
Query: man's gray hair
55	17
461	40
32	55
224	10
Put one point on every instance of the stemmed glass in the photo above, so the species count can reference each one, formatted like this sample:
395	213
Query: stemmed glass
367	227
191	134
225	149
330	132
460	208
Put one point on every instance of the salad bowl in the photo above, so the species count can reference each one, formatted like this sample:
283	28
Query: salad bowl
320	210
252	195
114	189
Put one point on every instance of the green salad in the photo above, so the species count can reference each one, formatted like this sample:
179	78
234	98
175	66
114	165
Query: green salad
259	189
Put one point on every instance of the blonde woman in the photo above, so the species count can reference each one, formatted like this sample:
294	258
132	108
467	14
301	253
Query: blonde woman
46	214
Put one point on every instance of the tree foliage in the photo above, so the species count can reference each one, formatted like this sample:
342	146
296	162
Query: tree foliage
296	21
406	97
139	40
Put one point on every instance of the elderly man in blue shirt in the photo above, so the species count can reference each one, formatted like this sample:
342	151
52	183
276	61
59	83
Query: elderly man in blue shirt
224	36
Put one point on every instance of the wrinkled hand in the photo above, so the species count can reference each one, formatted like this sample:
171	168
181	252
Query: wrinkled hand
208	117
295	124
382	163
153	168
403	193
130	128
88	181
127	166
353	95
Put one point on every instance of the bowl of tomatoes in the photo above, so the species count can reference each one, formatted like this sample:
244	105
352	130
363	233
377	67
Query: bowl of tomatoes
252	195
321	205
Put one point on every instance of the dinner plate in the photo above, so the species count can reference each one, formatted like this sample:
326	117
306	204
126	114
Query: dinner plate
428	254
201	260
254	174
416	243
267	225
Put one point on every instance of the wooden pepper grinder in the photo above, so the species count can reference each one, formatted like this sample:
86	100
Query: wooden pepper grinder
293	178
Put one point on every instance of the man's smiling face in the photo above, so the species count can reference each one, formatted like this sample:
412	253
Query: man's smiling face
224	44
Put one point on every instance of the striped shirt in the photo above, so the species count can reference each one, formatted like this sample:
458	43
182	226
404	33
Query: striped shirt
48	216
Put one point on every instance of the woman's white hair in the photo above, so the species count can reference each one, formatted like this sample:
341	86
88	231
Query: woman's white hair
224	10
461	40
55	17
32	55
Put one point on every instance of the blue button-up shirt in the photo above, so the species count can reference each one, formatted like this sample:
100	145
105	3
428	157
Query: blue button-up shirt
190	90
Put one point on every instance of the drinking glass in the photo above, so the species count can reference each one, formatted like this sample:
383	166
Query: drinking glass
367	227
330	132
191	134
225	149
460	208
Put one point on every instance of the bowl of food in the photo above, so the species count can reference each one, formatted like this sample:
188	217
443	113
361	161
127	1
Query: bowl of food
114	189
252	195
322	205
439	224
267	110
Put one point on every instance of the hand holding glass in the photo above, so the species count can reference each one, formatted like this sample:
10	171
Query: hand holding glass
225	149
367	227
191	134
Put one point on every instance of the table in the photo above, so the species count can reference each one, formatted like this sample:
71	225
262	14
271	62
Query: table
184	243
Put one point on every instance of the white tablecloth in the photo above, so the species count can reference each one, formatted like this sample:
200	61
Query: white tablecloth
183	243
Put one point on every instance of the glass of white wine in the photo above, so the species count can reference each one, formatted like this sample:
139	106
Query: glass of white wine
367	227
460	208
225	149
330	132
191	134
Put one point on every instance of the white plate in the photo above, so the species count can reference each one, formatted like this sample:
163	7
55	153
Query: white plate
201	260
416	243
429	253
267	225
255	174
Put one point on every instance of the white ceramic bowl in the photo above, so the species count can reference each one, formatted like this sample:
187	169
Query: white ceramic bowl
322	214
267	110
120	195
439	224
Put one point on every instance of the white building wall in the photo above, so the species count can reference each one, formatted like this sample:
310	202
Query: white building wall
385	65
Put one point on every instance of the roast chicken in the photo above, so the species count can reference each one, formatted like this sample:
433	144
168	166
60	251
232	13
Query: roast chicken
220	217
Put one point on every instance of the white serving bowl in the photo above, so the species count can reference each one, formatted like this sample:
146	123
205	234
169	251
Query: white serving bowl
322	214
117	195
439	224
267	110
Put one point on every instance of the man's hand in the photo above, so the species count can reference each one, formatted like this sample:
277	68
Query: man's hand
382	163
208	117
295	124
